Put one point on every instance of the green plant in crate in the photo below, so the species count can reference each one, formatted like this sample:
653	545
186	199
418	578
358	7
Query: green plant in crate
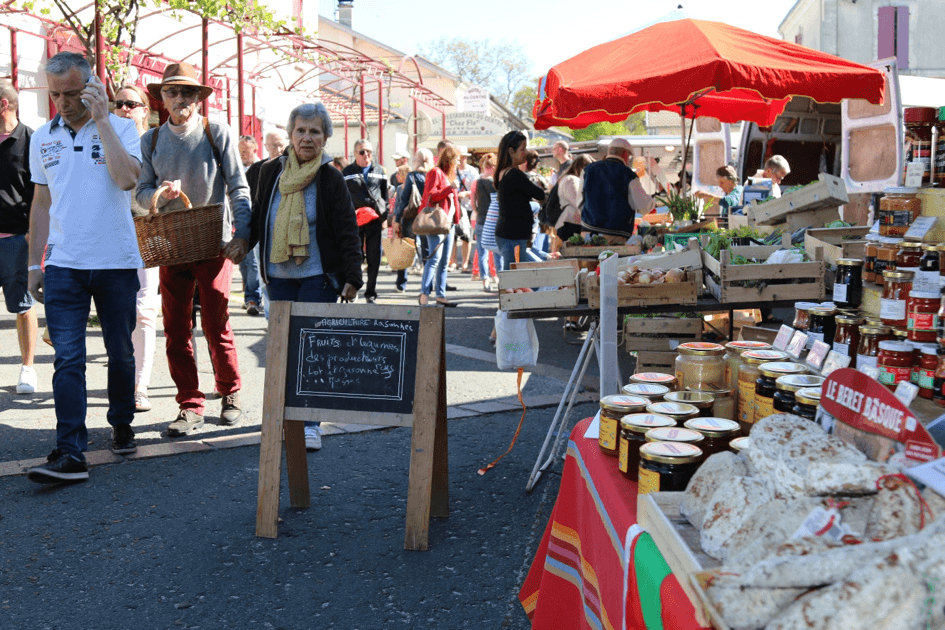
681	208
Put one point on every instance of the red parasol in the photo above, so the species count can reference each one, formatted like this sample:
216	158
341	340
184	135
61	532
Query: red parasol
722	70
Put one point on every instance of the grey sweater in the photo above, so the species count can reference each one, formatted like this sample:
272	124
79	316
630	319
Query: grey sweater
190	159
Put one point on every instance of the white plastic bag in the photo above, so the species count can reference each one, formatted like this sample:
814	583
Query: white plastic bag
516	342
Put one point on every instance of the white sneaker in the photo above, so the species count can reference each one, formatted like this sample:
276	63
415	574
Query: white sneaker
313	438
27	384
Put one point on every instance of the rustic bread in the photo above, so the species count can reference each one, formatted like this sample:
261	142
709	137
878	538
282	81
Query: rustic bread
747	608
846	478
716	470
731	505
896	512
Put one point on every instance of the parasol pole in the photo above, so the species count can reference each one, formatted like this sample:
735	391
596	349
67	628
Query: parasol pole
685	150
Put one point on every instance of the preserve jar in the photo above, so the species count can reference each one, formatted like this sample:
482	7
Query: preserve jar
765	386
894	363
928	364
733	356
612	409
938	385
892	306
653	393
655	378
847	337
801	315
675	434
740	444
885	257
700	400
633	428
718	432
807	401
909	256
898	208
848	286
900	334
747	375
680	412
723	405
868	350
667	466
822	325
787	386
869	259
927	278
923	316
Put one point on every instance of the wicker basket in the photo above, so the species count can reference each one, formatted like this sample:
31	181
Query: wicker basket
179	236
400	252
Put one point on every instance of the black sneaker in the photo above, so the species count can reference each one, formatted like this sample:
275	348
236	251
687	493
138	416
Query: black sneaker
123	440
61	467
231	412
186	422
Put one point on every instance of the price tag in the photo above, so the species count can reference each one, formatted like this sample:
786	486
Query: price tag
834	361
797	344
906	392
919	228
784	337
870	370
914	172
818	352
931	474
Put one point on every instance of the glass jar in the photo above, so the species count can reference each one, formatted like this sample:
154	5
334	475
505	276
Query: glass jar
900	334
925	374
723	405
923	316
909	256
801	315
718	432
739	444
633	430
667	466
653	393
612	409
822	325
868	350
765	386
869	259
848	286
747	375
699	363
898	208
807	401
675	434
938	385
892	306
894	363
680	412
847	338
885	257
927	278
655	378
733	356
700	400
787	386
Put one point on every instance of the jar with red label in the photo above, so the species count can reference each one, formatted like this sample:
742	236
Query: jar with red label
892	307
870	338
923	316
894	363
928	364
886	254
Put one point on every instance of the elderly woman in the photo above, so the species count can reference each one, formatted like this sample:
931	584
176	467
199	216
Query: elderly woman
569	196
304	222
422	163
731	192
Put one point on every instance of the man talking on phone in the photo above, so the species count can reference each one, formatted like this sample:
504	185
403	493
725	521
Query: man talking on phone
84	163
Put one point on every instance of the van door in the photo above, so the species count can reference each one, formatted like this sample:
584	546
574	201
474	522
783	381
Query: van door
711	149
871	152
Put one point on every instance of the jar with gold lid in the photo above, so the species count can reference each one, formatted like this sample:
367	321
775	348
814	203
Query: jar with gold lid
680	412
700	400
733	354
868	350
723	405
787	386
847	338
675	434
886	254
718	433
633	428
667	466
653	393
747	375
612	409
765	385
822	326
740	444
699	362
848	286
893	304
655	378
926	279
807	401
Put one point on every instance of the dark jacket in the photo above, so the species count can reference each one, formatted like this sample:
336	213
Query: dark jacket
361	188
605	206
16	189
337	227
516	218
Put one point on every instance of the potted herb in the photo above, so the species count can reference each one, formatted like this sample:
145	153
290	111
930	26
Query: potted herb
682	208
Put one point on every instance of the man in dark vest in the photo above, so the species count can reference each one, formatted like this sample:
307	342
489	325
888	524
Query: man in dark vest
612	195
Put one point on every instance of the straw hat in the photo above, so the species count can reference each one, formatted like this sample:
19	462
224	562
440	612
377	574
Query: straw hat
182	74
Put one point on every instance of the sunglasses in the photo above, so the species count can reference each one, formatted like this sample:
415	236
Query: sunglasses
365	152
185	92
128	104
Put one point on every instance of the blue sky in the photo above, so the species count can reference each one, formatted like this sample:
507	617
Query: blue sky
549	31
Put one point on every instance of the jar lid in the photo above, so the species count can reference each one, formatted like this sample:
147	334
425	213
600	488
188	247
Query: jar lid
803	306
652	377
740	444
672	409
901	190
827	305
924	295
643	422
890	240
648	390
757	357
897	275
670	452
809	396
910	244
621	403
711	388
780	368
849	319
822	311
872	329
743	346
673	434
702	400
713	427
794	382
701	348
895	346
849	262
901	332
930	247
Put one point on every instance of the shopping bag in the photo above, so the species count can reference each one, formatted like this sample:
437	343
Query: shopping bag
516	342
488	228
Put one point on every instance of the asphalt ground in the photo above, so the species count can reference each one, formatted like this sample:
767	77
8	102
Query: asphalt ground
166	538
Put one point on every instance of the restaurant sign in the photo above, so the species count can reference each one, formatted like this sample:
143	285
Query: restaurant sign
472	124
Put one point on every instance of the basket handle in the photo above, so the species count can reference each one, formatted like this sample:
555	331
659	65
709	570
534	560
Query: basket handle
157	195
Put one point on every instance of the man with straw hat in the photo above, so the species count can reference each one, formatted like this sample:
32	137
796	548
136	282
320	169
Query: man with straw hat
189	154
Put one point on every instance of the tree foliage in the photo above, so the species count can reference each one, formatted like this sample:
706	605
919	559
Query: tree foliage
524	99
632	126
500	67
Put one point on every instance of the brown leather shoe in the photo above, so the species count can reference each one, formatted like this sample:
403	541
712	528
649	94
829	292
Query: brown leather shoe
231	412
187	422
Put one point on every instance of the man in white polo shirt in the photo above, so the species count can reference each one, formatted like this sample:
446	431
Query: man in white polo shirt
84	163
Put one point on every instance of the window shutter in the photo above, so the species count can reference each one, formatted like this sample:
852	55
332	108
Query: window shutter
902	37
886	44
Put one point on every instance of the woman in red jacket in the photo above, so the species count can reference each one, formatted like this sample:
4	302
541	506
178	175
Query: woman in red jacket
437	191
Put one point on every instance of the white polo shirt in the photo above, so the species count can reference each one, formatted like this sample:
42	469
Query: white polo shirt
90	222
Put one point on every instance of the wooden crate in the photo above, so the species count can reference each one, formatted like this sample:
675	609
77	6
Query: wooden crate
662	362
657	333
828	192
699	582
678	542
650	294
836	242
721	276
562	275
593	251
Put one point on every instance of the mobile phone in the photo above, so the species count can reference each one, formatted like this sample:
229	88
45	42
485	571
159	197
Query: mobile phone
92	79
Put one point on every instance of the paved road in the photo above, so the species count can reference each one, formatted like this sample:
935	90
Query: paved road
165	539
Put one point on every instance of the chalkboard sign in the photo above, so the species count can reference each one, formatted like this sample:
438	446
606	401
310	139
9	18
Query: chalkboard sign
362	364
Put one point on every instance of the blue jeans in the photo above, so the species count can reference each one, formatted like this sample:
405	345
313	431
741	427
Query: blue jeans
507	248
249	270
435	266
314	289
69	295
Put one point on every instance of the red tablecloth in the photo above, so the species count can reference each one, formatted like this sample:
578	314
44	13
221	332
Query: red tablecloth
596	568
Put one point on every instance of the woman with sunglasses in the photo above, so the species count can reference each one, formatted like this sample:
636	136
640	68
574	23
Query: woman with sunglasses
131	102
515	193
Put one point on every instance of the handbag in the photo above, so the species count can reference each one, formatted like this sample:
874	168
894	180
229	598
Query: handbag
413	202
433	221
488	228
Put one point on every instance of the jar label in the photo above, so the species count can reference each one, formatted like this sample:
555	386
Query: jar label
648	481
840	293
890	375
862	359
922	321
608	433
892	309
764	407
812	337
926	281
926	378
746	401
843	349
623	455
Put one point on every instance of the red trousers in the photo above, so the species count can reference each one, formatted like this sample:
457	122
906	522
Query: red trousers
212	278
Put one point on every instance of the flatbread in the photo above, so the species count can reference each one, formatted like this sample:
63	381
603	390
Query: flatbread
716	470
732	504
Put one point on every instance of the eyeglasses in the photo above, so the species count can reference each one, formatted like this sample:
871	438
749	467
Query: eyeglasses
365	152
128	104
185	92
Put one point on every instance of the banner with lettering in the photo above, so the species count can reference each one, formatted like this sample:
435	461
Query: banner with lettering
867	415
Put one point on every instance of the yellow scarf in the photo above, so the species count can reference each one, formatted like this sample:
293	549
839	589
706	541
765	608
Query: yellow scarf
290	232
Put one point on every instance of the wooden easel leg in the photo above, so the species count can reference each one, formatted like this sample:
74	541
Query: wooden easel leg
440	500
296	463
